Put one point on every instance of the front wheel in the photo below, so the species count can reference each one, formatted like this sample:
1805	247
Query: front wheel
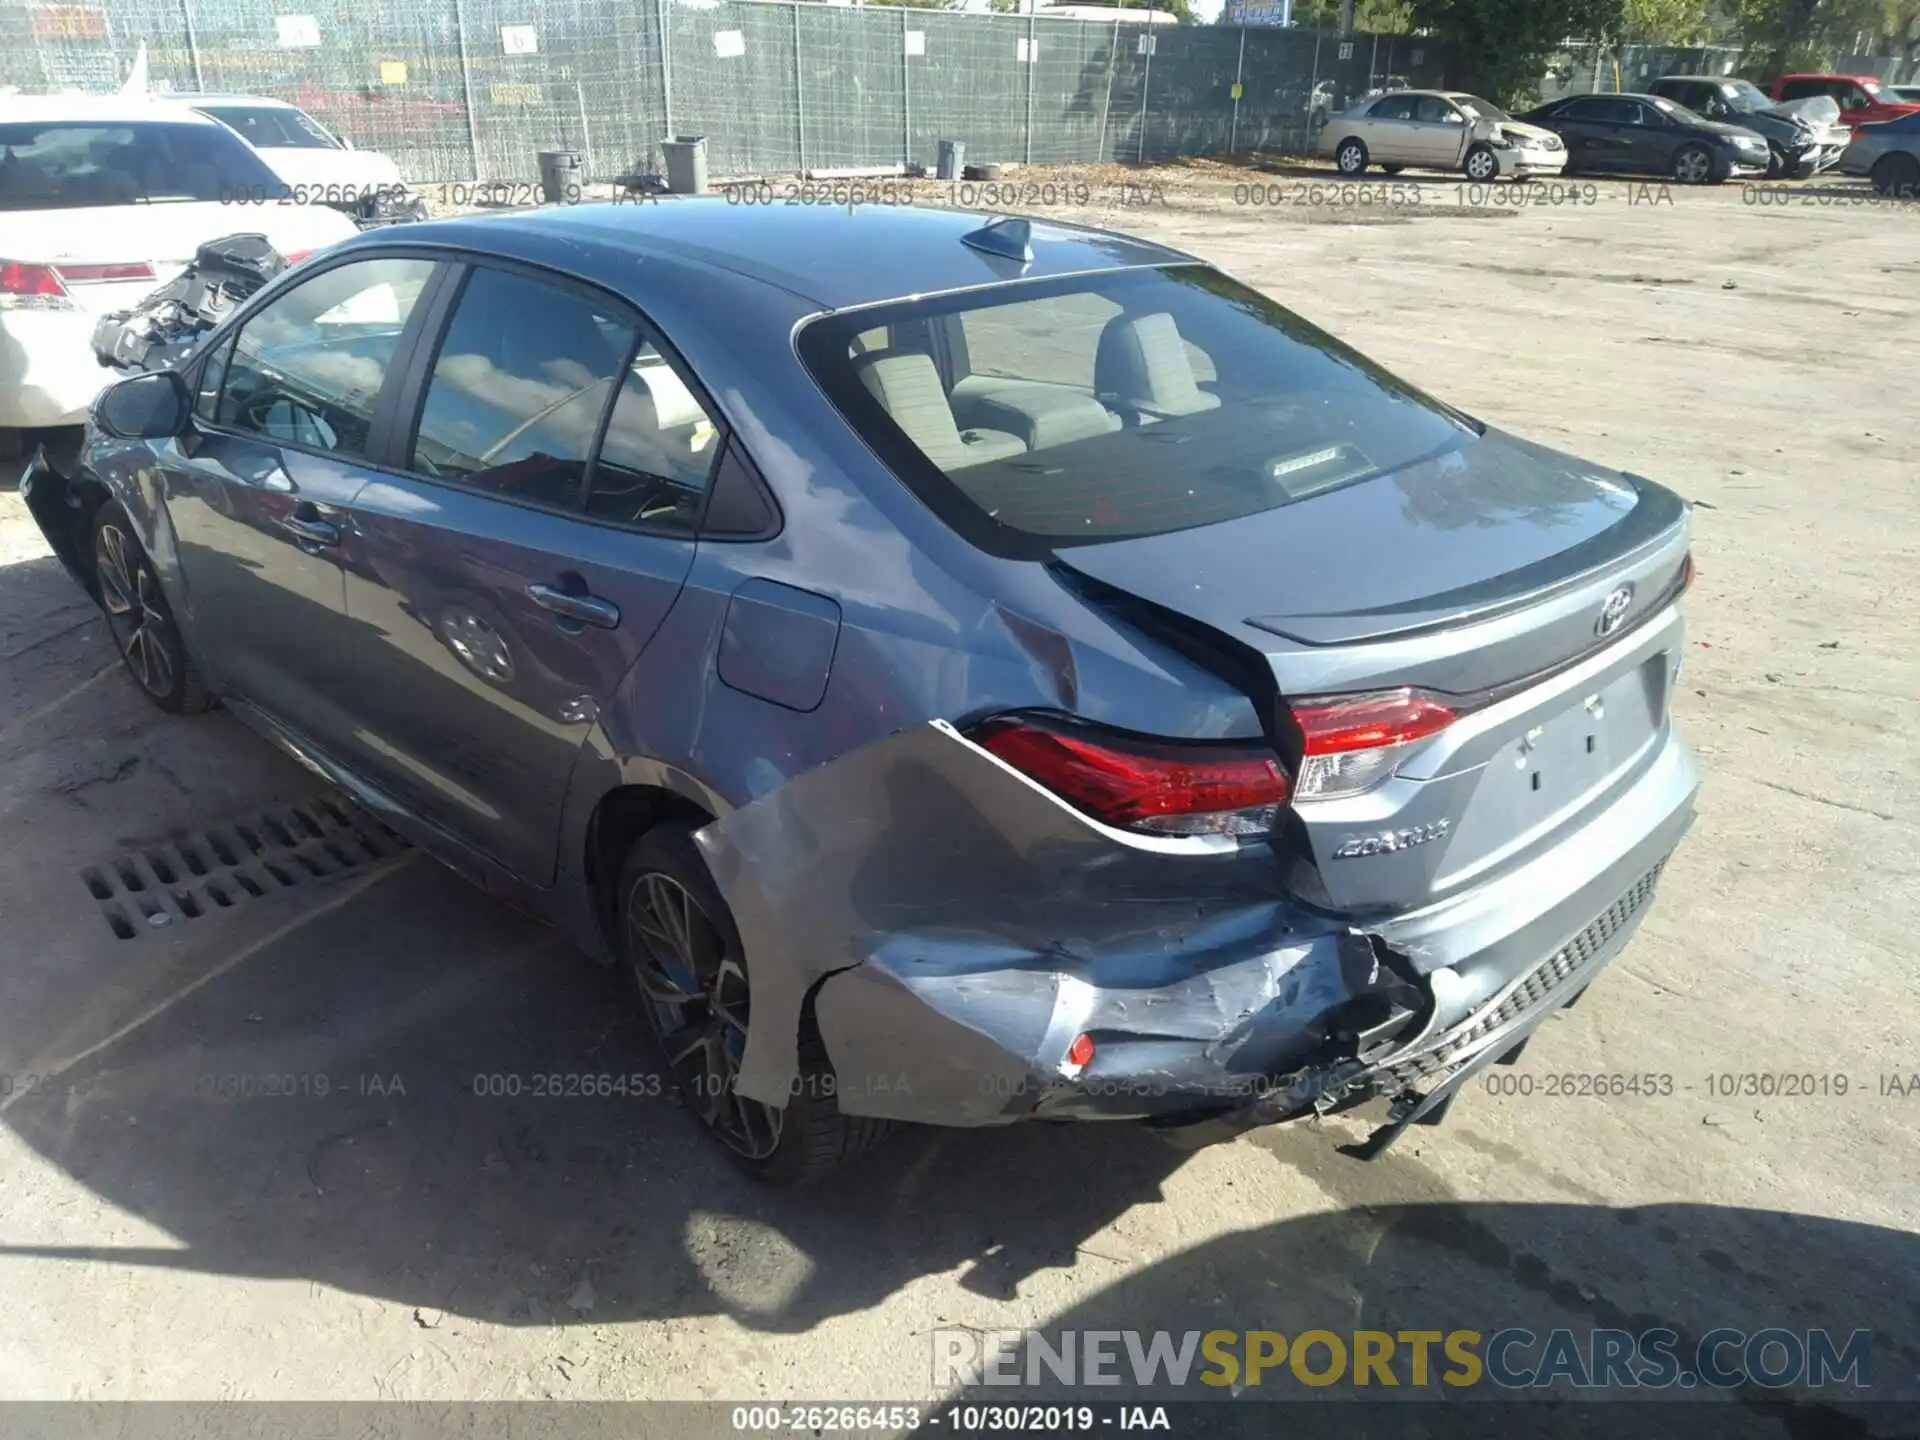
139	618
680	942
1350	158
1693	165
1482	164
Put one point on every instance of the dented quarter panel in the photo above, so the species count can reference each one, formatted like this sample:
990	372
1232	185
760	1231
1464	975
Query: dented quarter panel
991	924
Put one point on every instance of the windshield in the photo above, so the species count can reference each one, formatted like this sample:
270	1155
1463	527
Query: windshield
1038	415
267	127
80	164
1476	104
1746	97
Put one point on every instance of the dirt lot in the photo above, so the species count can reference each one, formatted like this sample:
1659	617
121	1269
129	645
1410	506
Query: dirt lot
401	1237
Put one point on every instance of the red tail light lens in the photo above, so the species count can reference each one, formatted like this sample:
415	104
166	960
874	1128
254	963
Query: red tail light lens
1151	786
31	287
1352	742
294	257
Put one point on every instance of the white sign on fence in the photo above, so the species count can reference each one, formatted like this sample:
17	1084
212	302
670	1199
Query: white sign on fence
296	32
1024	53
1144	45
519	40
1346	49
916	42
729	44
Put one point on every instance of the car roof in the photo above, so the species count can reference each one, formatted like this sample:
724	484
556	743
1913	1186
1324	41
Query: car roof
1831	75
15	108
834	256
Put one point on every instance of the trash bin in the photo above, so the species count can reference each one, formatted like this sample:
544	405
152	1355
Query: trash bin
953	158
561	174
686	157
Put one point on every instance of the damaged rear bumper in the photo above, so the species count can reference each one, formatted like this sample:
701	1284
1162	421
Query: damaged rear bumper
953	928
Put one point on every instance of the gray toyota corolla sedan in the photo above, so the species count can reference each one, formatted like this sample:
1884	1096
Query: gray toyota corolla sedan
970	671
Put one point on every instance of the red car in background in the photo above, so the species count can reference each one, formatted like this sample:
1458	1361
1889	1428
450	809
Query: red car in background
1863	99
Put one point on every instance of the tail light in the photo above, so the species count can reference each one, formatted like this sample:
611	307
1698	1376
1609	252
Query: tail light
1146	785
1350	743
32	287
294	257
26	286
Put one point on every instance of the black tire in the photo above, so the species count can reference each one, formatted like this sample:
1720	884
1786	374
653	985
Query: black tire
1777	166
1694	164
1350	156
1392	169
1480	164
701	1033
139	618
1896	175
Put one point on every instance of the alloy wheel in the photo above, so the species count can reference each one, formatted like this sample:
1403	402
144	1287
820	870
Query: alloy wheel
1480	166
1693	167
696	994
136	613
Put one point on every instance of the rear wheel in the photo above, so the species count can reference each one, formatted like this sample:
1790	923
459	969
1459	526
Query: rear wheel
1897	175
1351	157
681	945
140	619
1693	165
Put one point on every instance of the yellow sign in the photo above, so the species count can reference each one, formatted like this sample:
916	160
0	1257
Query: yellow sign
1236	89
393	72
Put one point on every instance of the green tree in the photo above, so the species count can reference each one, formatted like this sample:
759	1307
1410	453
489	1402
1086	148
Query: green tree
1664	22
1500	48
1786	35
1374	17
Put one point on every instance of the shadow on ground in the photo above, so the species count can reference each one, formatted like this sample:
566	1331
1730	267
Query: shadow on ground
409	1180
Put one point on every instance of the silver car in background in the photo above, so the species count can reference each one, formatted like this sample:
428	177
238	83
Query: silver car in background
1440	130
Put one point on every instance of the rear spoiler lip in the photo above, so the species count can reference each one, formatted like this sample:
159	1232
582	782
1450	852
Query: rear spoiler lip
1646	529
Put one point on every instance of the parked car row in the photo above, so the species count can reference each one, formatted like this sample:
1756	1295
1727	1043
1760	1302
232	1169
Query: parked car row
1696	129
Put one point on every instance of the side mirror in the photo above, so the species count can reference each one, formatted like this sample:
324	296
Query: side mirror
153	406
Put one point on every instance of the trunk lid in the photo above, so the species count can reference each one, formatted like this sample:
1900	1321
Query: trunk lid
1481	573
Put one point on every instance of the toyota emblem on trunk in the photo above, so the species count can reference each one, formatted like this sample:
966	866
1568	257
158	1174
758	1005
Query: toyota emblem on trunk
1613	611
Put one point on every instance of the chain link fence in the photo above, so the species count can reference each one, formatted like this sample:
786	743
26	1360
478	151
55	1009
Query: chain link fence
473	89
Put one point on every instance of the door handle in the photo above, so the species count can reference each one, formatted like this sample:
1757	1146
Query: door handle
310	531
587	609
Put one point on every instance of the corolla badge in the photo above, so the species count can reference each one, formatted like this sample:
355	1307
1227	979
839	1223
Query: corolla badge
1613	610
1385	842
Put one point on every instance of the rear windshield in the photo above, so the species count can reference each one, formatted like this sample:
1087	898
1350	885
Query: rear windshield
271	128
1038	415
80	164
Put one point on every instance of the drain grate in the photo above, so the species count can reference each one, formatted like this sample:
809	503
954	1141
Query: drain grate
203	872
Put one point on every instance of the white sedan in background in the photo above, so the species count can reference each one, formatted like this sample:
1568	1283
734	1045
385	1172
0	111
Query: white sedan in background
101	199
318	166
1440	130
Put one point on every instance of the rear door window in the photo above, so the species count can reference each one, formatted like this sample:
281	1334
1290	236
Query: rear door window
519	386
